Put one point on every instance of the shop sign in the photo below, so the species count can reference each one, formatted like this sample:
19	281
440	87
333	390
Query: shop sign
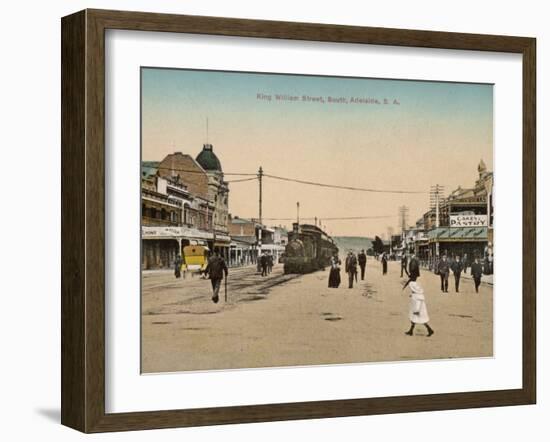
468	221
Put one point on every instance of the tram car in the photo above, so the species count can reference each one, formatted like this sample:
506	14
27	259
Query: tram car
309	249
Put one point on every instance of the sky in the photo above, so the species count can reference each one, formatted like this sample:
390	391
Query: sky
358	132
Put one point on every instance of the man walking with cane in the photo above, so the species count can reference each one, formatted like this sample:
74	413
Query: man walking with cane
216	269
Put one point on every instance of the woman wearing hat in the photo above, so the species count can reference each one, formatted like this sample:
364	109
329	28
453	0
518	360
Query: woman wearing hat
418	311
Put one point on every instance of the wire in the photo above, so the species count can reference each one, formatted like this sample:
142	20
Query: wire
295	180
331	218
242	180
334	186
357	217
200	171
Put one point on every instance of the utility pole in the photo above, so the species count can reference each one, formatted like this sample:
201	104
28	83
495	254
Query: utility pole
402	220
298	212
260	176
390	234
403	217
436	194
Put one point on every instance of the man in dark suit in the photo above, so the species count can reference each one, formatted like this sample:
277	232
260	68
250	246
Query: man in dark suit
476	272
351	268
362	259
414	267
443	271
216	269
404	264
264	263
456	267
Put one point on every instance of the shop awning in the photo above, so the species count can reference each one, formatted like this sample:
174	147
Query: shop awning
458	234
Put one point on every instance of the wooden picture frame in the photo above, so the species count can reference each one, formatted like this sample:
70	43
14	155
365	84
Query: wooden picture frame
83	220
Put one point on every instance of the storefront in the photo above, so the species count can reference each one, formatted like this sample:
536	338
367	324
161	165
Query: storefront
458	241
161	245
242	252
159	253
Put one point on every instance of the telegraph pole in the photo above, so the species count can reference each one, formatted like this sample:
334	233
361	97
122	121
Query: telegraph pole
403	217
403	221
260	176
298	212
436	192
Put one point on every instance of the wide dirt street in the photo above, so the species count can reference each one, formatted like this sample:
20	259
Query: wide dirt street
283	320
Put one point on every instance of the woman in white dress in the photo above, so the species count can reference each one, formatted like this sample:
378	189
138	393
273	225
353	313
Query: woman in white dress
418	312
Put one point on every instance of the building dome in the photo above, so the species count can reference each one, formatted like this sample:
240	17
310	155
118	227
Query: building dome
208	159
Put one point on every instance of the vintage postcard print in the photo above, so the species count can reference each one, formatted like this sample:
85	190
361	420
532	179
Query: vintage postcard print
296	220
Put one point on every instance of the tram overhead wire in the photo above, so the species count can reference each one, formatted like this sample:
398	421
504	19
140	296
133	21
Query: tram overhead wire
254	176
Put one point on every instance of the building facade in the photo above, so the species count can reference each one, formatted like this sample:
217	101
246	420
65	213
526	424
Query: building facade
465	227
218	189
244	234
179	209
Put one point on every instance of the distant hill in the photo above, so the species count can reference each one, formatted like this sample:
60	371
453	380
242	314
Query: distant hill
357	243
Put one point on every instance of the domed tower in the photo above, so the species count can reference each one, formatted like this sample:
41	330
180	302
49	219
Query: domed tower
208	159
218	191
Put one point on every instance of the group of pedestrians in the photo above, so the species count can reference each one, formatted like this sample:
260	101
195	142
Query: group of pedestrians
350	267
445	267
266	263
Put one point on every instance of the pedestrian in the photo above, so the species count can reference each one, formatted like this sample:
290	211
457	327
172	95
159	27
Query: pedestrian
443	271
404	264
177	266
215	269
384	264
418	311
351	268
466	262
334	275
476	272
269	263
356	272
362	259
414	267
456	267
263	264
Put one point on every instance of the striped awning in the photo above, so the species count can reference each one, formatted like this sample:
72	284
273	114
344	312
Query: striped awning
459	234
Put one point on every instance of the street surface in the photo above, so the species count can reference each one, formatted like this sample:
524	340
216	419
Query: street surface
284	320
